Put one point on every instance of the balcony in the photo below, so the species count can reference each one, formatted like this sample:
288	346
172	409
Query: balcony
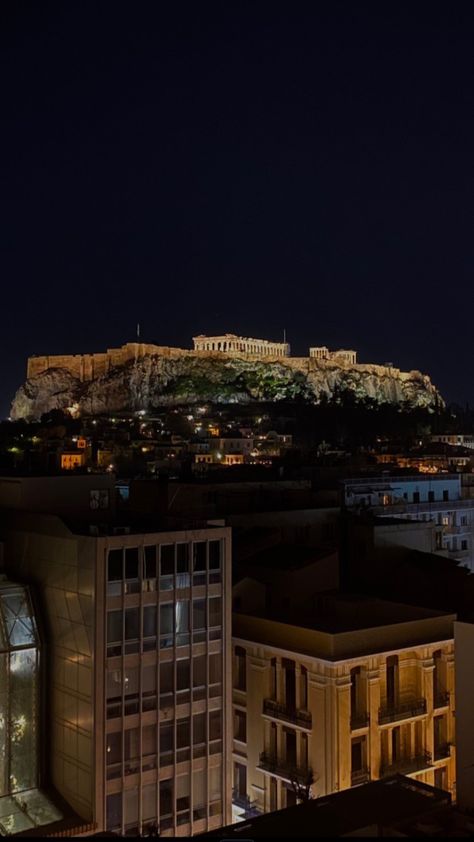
442	751
284	769
244	803
284	713
360	776
402	710
359	720
441	699
407	765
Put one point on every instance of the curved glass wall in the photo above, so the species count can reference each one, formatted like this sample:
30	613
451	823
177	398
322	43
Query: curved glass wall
22	805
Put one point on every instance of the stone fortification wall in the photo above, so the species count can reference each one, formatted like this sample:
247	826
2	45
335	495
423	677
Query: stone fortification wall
90	366
87	367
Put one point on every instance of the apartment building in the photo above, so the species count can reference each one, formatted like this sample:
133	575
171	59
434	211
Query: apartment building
358	690
139	668
434	498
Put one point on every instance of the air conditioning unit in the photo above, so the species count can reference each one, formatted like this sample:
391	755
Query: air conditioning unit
93	529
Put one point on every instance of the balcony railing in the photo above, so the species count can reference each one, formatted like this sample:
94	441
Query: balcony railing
284	769
285	713
359	720
402	710
442	751
360	776
406	765
441	699
245	804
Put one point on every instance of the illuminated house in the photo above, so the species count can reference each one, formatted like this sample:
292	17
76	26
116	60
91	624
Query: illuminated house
22	805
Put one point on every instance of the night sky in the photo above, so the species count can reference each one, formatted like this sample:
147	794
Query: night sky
241	167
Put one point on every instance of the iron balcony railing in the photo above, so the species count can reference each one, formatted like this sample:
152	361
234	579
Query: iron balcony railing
441	699
285	768
360	776
285	713
407	765
442	751
359	720
402	710
245	804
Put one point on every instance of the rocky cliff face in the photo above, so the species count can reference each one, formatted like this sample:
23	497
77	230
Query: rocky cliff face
158	381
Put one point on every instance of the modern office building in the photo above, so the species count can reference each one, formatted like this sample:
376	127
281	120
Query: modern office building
138	667
355	690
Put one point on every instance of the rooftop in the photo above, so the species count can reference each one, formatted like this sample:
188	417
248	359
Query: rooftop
368	809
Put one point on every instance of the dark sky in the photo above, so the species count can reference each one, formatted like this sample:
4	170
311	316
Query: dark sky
243	167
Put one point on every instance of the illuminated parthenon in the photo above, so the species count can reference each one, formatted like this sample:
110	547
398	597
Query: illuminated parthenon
230	343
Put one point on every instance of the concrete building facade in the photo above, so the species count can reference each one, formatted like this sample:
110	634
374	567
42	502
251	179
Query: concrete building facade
435	498
139	696
340	707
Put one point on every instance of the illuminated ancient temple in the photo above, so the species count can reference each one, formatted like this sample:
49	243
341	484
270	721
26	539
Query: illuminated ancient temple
22	804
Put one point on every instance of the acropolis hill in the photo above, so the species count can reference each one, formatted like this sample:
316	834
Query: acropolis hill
220	369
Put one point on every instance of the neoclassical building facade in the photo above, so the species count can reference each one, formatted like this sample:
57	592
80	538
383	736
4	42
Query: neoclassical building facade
342	707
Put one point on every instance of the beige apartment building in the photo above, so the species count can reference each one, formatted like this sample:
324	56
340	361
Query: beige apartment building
138	693
361	691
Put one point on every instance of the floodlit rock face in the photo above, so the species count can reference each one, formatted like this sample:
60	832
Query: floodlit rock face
155	380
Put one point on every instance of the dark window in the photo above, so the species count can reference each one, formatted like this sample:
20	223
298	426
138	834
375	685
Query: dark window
131	563
199	614
131	624
199	555
215	725
166	738
167	559
114	569
215	612
199	728
356	756
431	496
166	677
114	748
166	618
150	562
114	626
464	544
240	726
241	669
214	555
392	676
416	496
132	743
114	811
183	733
149	621
445	494
199	671
183	677
166	798
182	559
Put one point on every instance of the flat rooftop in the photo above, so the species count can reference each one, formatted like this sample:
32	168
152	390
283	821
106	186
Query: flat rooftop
344	626
367	809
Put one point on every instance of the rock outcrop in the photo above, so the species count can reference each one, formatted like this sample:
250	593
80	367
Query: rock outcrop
155	380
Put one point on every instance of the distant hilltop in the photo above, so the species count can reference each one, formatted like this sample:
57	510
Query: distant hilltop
90	366
219	369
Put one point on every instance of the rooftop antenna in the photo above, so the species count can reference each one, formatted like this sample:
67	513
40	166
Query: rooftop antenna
284	335
138	330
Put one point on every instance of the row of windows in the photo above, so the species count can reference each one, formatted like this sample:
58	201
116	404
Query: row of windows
129	751
132	565
175	681
167	803
170	624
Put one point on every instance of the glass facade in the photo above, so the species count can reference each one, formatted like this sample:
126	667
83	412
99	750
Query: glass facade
22	805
